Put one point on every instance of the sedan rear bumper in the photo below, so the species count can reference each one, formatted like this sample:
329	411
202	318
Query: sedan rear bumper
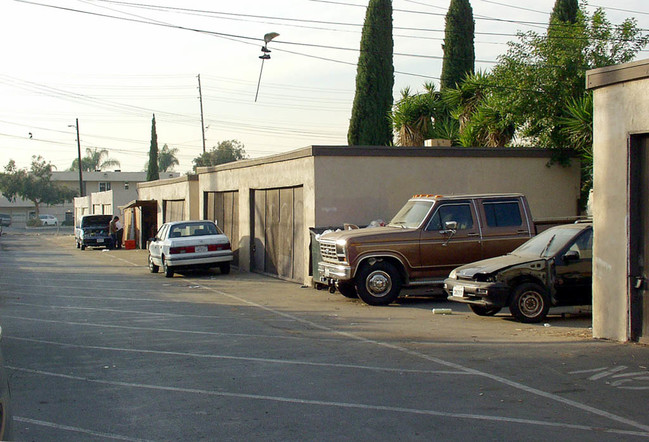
187	260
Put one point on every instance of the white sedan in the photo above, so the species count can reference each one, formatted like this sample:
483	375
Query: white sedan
182	245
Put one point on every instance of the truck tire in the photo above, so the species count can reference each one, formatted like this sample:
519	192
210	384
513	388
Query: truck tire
530	303
378	283
347	289
482	310
224	268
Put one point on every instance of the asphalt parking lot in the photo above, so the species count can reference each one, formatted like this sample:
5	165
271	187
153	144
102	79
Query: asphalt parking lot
100	349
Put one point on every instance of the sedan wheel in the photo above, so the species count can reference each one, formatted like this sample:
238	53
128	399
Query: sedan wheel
152	267
169	273
529	303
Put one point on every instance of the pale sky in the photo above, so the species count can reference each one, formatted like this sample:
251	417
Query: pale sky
113	74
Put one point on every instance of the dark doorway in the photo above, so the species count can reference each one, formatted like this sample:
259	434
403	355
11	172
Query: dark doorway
639	236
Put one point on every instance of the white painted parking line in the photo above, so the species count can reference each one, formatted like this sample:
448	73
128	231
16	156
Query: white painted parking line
243	358
75	429
371	407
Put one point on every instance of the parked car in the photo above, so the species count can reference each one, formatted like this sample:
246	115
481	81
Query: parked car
49	220
184	245
92	231
552	269
5	401
426	239
5	220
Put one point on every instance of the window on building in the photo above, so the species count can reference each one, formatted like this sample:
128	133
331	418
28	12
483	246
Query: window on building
125	185
104	186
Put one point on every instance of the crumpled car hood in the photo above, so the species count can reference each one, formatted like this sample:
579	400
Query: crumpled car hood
492	265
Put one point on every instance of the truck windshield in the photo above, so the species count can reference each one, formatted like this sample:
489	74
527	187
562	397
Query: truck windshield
412	214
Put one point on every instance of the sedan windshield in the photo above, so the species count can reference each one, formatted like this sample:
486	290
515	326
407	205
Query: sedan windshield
412	214
547	243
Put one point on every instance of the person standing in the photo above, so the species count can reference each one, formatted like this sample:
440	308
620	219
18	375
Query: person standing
112	230
120	233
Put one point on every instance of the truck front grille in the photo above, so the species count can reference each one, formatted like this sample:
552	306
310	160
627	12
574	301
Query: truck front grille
328	251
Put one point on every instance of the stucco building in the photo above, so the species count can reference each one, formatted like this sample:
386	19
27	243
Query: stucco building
621	201
267	206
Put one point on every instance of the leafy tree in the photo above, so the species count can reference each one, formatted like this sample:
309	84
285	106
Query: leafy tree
535	81
370	123
34	185
459	51
225	152
152	172
166	159
95	159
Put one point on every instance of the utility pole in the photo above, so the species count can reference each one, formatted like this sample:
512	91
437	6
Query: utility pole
200	97
79	153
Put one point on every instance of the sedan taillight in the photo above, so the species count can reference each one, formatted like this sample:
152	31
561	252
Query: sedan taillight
177	250
217	247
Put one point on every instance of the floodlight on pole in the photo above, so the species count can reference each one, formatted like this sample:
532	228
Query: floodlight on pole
265	56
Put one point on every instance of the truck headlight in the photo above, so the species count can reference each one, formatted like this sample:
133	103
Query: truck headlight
341	248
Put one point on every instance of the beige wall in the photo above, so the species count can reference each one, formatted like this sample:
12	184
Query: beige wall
181	188
359	190
619	110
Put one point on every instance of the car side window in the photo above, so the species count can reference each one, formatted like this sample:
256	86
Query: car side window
584	245
460	213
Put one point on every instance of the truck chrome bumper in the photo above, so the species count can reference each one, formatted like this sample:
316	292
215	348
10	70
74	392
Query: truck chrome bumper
329	271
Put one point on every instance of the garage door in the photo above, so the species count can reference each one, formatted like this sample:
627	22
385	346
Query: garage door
278	232
223	207
173	210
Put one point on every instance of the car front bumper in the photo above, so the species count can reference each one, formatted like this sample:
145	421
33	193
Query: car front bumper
488	294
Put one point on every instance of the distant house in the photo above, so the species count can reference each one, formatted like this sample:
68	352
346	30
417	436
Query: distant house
120	183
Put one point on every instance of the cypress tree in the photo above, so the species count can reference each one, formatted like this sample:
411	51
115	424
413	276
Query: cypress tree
565	11
152	172
459	51
370	121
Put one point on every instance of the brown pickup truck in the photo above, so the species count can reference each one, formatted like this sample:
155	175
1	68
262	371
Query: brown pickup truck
427	238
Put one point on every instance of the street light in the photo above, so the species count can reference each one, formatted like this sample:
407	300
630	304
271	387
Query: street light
265	56
76	125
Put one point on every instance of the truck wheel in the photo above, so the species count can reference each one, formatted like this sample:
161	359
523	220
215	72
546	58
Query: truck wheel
482	310
83	247
530	303
378	283
347	289
152	267
168	271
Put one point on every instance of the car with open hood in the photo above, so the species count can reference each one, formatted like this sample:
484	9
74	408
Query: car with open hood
92	231
552	269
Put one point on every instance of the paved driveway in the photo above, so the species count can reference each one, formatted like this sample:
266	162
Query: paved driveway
100	349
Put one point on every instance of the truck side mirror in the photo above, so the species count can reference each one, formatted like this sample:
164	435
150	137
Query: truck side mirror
450	230
450	225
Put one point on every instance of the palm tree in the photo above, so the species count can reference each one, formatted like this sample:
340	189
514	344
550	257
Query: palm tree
167	158
94	160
